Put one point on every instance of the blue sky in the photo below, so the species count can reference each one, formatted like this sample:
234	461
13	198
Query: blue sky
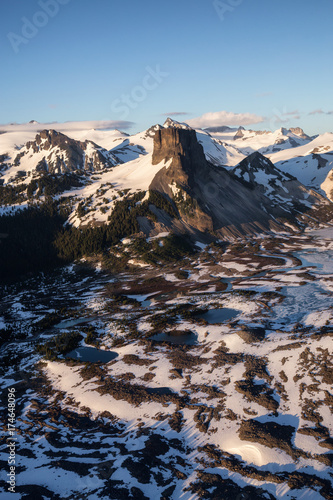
258	63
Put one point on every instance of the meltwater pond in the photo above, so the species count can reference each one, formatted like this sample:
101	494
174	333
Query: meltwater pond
219	315
321	260
69	323
314	297
144	299
180	339
92	355
301	301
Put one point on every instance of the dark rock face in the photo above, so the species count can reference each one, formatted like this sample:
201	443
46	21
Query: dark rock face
256	161
300	132
322	162
183	148
173	142
210	199
252	334
179	180
239	134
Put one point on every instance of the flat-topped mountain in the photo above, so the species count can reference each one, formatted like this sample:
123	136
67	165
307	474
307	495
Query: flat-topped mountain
254	197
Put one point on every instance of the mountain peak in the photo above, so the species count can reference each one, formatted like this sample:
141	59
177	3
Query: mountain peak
300	132
179	144
239	134
256	162
170	123
56	153
257	170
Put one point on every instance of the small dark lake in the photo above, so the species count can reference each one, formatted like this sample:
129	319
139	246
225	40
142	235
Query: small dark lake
144	299
71	322
161	391
182	339
92	355
219	315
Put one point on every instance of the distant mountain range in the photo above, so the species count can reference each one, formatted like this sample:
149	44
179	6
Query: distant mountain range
224	182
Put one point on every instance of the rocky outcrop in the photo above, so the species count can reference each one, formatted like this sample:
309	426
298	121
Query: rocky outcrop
300	132
186	163
211	199
169	122
240	133
182	147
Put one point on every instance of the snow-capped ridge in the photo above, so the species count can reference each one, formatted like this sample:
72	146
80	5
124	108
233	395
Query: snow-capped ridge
170	123
55	153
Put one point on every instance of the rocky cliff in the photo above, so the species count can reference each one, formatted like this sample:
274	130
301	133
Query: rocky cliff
213	200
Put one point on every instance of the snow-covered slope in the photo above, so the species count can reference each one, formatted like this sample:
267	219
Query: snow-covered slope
248	141
218	152
107	139
310	163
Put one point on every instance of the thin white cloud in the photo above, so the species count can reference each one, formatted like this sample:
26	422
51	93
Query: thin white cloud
281	117
67	126
220	118
316	112
176	113
320	112
285	118
291	113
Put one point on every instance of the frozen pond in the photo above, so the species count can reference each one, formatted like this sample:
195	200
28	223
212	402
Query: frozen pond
324	233
321	257
144	299
72	322
91	354
300	301
312	297
321	260
219	315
